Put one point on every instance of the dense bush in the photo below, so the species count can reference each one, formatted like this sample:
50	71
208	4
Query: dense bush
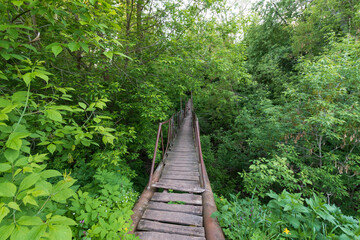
285	216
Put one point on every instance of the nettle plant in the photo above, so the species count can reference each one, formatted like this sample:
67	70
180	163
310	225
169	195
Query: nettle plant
32	128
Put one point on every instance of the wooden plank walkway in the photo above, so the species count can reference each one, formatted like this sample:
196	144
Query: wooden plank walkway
170	215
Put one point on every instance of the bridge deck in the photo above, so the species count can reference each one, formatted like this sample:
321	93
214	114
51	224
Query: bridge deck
178	214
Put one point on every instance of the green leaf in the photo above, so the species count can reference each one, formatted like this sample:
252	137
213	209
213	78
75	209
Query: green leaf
82	105
60	232
19	97
29	199
73	46
4	44
84	46
42	76
54	115
57	49
109	54
7	189
4	167
3	76
50	173
29	181
3	116
11	155
123	55
36	232
17	3
27	77
61	196
38	158
3	212
6	231
44	186
14	141
51	148
14	205
61	220
30	221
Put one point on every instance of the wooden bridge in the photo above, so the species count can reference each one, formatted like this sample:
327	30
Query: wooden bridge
178	201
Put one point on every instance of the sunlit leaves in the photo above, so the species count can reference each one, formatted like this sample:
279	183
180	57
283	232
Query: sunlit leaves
7	189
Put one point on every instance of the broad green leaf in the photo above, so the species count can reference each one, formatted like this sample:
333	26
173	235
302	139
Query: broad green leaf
61	196
61	220
57	49
29	199
14	205
84	46
3	212
11	155
50	173
4	167
6	231
42	76
17	3
44	186
9	108
51	148
3	116
36	232
29	181
20	232
19	96
30	221
27	77
60	232
73	46
38	158
7	189
5	44
53	115
82	105
14	141
109	54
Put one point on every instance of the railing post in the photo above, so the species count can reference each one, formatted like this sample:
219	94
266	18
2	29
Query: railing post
155	151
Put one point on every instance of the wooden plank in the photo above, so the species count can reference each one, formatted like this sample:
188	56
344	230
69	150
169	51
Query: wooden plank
181	164
179	187
183	197
189	169
147	225
180	182
180	177
189	158
191	209
183	161
173	217
165	172
165	236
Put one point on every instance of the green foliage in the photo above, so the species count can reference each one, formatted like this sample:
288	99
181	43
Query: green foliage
105	211
264	173
285	216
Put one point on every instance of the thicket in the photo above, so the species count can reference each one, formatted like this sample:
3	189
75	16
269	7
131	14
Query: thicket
293	126
84	84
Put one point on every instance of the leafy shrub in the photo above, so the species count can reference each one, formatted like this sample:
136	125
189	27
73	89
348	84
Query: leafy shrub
105	211
285	216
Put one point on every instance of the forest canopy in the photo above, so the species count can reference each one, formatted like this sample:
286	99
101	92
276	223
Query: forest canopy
84	83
